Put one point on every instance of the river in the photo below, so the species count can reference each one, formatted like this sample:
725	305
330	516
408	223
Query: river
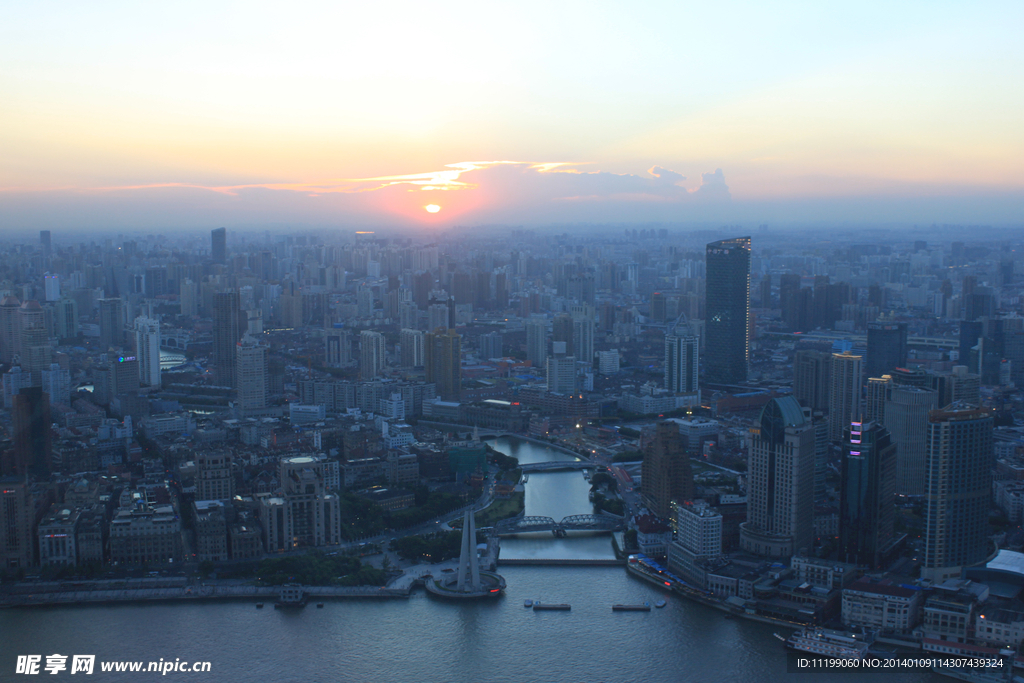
556	495
422	639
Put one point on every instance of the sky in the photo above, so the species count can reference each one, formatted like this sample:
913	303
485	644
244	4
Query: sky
162	115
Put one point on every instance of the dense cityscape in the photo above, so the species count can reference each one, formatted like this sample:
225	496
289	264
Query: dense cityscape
805	429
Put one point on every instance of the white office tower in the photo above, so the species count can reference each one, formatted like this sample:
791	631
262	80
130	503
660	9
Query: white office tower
608	362
561	371
252	375
51	286
254	321
681	359
372	358
411	342
698	539
147	350
844	393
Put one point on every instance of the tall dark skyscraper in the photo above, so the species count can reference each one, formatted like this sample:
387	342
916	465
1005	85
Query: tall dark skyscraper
868	496
443	363
44	241
958	490
811	374
887	348
227	330
219	245
111	323
666	475
727	351
31	426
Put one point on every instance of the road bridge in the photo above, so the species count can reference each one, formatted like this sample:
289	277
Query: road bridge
531	524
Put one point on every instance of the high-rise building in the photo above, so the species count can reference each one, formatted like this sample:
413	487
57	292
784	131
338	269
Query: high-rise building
111	323
443	363
227	330
875	396
906	419
561	370
583	339
372	355
957	385
780	482
408	315
31	431
9	334
219	245
17	517
727	354
537	342
608	362
666	475
34	343
65	318
867	509
252	375
681	362
958	490
147	350
437	316
56	384
44	241
491	345
562	330
811	372
698	539
188	295
822	451
413	352
306	515
214	478
51	287
844	393
337	348
887	348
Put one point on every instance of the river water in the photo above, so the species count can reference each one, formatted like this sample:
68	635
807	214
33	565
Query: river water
422	639
556	495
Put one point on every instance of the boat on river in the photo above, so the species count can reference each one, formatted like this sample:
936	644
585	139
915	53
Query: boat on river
826	644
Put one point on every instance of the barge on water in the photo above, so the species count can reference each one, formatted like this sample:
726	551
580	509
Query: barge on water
646	607
561	606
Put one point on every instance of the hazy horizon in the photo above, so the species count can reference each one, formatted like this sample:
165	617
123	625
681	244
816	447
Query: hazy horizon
156	117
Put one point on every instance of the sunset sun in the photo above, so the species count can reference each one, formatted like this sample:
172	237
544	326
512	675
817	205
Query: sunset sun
432	208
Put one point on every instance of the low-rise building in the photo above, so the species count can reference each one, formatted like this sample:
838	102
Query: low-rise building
57	533
211	530
881	606
145	534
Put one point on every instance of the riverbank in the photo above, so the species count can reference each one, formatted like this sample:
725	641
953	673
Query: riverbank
194	594
712	602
